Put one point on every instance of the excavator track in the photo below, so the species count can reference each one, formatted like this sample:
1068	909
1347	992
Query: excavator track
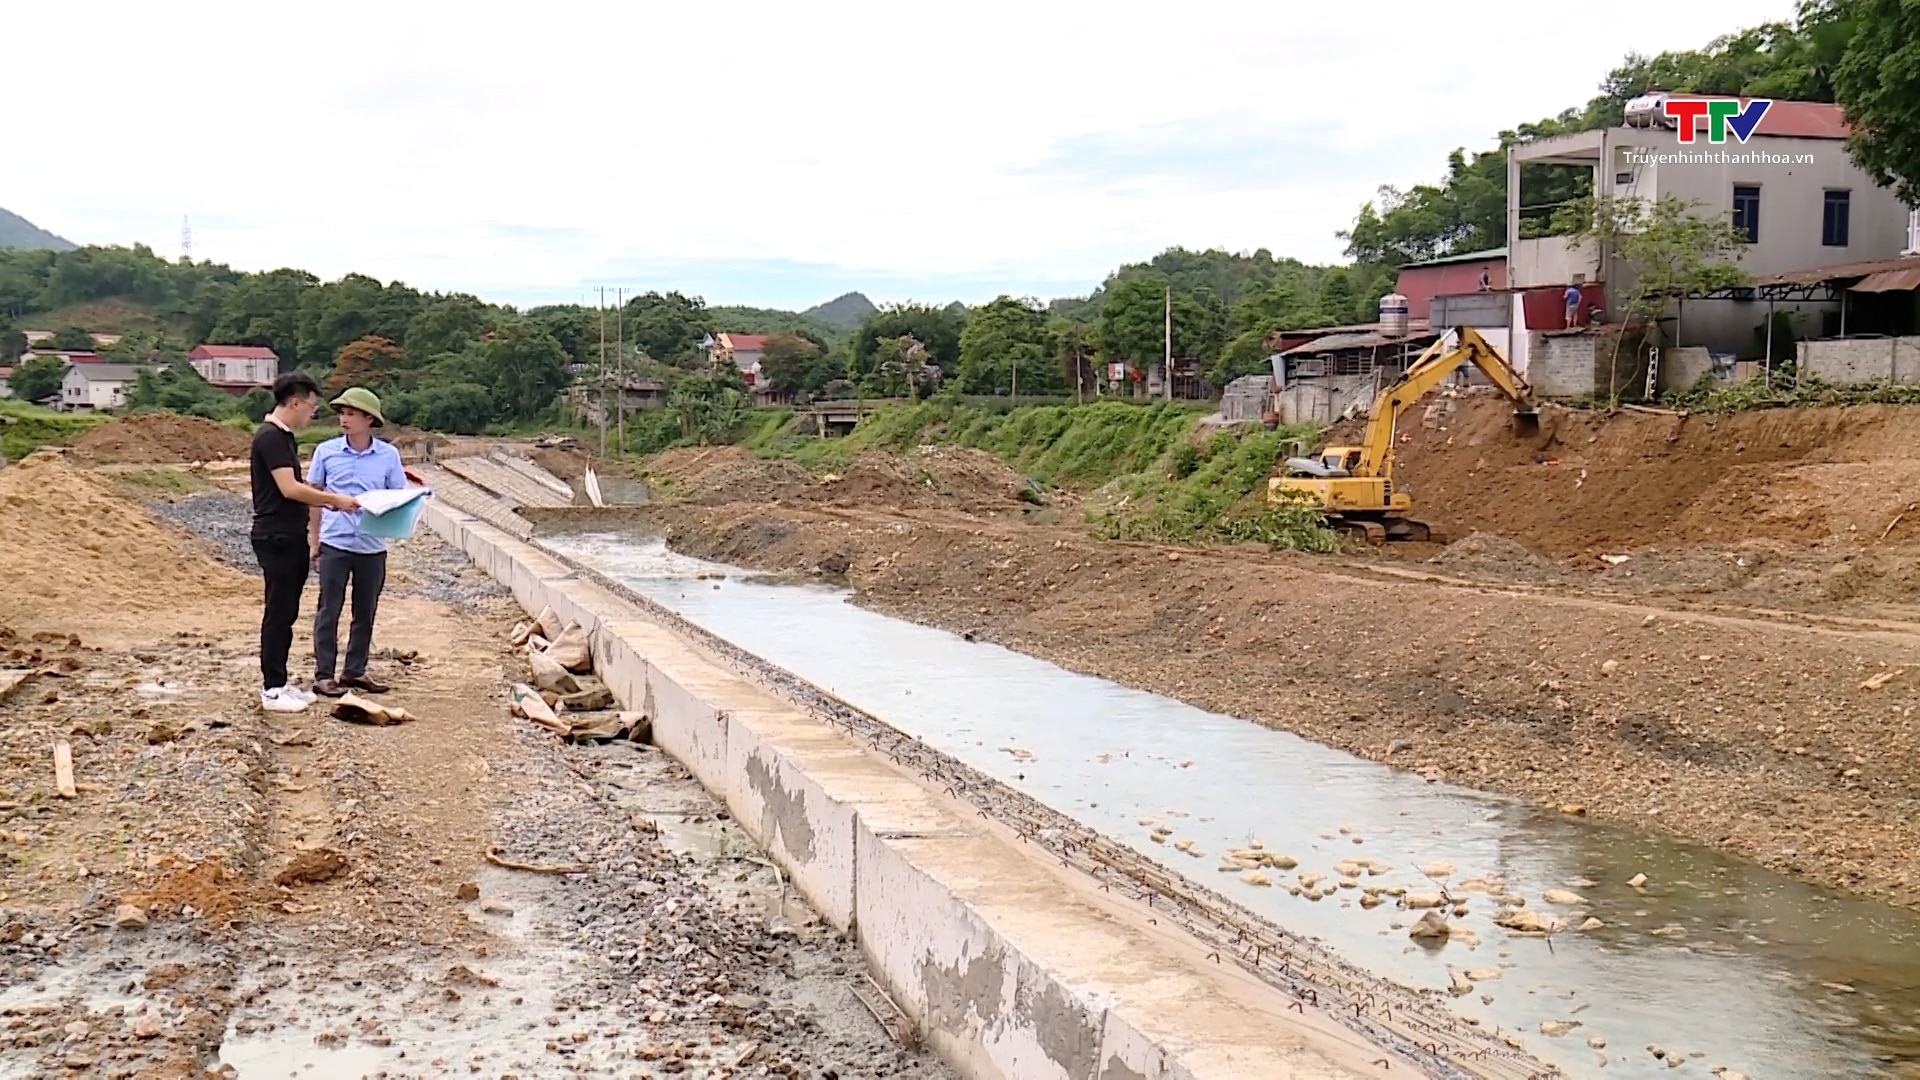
1396	530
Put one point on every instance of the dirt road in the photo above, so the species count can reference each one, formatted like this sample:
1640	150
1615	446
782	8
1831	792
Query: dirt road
235	894
1786	737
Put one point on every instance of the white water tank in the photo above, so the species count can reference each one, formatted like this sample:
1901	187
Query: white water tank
1393	315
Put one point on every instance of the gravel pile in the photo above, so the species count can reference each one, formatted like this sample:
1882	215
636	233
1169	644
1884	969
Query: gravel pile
220	518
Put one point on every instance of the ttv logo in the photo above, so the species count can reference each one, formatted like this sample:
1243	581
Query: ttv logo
1723	115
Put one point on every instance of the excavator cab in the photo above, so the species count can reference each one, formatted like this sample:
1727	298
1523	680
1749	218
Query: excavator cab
1331	461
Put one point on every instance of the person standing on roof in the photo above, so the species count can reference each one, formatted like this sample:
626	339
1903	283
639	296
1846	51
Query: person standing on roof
1573	306
351	463
279	532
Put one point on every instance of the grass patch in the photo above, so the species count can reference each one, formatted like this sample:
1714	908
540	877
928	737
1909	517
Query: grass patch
1078	446
25	428
1216	490
149	483
1709	395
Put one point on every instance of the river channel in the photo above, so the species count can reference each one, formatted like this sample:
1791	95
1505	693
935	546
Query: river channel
1716	962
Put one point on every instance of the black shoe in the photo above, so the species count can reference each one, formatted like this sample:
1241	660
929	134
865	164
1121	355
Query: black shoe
361	682
327	688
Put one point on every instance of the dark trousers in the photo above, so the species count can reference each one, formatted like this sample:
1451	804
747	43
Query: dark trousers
368	575
283	562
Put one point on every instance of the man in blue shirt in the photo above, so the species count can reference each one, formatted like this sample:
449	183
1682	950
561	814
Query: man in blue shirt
352	463
1573	306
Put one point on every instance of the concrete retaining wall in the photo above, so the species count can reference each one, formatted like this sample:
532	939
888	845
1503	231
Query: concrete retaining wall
1009	968
1861	360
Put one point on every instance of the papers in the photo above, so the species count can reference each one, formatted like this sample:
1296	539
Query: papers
387	501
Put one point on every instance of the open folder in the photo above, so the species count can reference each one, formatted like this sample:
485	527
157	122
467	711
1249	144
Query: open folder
391	513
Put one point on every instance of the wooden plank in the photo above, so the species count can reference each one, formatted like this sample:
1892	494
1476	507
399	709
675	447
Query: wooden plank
63	769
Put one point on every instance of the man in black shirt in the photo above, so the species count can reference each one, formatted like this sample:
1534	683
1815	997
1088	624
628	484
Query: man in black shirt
279	534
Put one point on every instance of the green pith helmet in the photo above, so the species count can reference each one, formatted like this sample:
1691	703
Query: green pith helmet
359	397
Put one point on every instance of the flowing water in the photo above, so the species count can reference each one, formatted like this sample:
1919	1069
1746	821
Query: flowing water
1717	962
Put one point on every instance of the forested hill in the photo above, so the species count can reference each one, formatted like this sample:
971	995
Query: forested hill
18	232
849	310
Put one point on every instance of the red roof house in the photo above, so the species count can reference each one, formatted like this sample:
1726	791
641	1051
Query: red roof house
235	369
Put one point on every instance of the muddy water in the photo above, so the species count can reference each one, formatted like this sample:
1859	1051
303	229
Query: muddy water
1717	962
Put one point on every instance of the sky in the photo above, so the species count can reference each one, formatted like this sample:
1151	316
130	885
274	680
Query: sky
778	154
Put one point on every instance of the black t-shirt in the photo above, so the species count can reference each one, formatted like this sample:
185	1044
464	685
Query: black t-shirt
275	515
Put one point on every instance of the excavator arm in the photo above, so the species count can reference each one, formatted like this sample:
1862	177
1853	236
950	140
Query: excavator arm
1425	373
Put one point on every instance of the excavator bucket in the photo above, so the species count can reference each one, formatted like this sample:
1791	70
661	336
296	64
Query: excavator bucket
1526	422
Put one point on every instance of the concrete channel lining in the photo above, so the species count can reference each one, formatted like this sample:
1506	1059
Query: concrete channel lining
1009	966
1004	968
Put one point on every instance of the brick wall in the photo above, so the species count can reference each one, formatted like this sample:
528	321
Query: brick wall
1577	366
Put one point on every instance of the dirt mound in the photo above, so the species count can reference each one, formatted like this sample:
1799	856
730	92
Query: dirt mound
713	475
68	544
157	438
933	478
1590	483
1491	555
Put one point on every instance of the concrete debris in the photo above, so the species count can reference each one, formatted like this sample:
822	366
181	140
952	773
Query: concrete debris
1563	897
1432	926
1554	1029
1637	881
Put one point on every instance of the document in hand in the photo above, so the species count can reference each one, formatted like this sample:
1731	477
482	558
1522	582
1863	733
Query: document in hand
391	514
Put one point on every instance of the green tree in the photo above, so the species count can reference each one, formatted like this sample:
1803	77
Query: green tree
256	404
1671	250
339	312
525	367
786	361
667	327
1005	348
1133	321
710	405
1878	82
937	329
458	409
38	378
901	365
264	309
71	338
12	341
448	325
176	387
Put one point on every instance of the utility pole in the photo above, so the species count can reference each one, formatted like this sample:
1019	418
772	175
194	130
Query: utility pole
620	361
1166	373
603	372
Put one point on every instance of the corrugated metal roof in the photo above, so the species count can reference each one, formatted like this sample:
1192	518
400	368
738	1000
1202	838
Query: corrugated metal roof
1840	271
1890	281
1465	256
1337	342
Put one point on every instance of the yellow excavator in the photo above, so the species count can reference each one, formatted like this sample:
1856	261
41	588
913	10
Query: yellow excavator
1353	485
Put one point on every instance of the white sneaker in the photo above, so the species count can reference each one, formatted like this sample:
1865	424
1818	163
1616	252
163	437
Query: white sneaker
307	696
279	700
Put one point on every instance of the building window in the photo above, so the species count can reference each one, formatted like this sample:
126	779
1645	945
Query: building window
1833	219
1746	211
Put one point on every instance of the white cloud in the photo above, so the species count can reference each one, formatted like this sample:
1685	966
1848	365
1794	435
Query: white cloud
529	150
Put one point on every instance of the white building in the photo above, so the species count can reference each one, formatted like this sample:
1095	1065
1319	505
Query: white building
1791	187
236	368
97	387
